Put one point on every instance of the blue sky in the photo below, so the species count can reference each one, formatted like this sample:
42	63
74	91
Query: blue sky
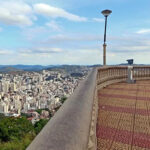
71	32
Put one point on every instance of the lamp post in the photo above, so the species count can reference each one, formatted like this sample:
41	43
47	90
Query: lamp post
106	13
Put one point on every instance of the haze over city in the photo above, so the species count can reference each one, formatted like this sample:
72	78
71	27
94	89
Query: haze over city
71	32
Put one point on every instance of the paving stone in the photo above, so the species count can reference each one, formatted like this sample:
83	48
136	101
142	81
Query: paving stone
124	117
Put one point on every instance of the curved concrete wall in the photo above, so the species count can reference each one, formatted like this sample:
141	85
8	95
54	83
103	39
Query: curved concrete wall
69	128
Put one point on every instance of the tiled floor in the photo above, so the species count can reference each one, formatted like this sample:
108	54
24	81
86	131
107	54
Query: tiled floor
124	117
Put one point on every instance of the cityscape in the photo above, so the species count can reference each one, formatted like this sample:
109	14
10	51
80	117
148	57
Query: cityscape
30	91
35	96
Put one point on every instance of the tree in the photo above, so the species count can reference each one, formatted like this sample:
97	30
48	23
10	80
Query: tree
2	116
4	136
63	99
14	129
39	125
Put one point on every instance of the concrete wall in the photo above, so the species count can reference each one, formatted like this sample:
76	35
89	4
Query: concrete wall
70	126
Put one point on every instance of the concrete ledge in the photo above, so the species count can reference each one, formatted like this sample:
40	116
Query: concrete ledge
69	128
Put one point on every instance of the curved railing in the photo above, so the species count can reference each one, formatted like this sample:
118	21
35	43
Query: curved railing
109	75
74	125
141	72
113	74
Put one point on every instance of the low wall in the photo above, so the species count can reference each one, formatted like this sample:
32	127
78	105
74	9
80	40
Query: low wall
71	127
113	74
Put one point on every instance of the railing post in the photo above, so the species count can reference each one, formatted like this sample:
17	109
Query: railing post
130	75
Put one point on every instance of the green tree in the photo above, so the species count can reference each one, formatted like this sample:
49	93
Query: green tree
39	125
63	99
39	111
4	136
13	129
1	116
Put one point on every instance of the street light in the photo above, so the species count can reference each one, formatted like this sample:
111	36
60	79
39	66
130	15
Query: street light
106	13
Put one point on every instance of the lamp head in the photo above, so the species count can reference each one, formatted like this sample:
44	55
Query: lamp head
106	12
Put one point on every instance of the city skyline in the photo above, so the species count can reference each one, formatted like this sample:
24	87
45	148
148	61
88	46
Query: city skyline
71	32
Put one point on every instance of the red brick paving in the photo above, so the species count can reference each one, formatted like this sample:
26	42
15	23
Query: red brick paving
124	117
143	112
124	136
127	89
124	96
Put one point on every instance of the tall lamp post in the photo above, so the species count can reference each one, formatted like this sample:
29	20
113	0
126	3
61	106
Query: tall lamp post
106	13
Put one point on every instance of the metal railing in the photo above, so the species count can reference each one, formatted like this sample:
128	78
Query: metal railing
114	74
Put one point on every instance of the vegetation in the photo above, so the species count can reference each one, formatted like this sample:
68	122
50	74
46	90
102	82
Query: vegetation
1	116
17	145
17	133
63	99
39	125
26	115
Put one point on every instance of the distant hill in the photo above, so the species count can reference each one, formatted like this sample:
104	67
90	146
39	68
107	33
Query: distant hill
9	69
61	68
68	68
26	67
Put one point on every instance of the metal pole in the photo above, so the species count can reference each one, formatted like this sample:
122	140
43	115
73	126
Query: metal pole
104	54
104	45
105	29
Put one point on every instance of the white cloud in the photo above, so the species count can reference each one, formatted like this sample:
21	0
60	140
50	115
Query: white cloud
47	50
6	52
41	50
54	12
54	26
34	32
16	13
98	20
70	38
69	56
143	31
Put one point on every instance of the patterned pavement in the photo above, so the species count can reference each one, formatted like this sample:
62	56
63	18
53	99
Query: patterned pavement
124	117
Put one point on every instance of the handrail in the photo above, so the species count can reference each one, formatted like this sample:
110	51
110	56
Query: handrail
112	74
69	129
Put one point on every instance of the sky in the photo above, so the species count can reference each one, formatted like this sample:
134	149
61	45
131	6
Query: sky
54	32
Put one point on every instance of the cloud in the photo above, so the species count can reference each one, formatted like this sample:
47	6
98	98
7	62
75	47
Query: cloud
54	26
67	56
130	49
143	31
54	12
71	38
98	19
41	32
34	32
41	50
6	52
16	13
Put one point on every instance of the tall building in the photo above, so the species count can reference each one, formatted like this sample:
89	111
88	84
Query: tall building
13	87
4	107
1	89
5	87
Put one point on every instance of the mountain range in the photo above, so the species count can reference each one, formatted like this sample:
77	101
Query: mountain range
21	68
